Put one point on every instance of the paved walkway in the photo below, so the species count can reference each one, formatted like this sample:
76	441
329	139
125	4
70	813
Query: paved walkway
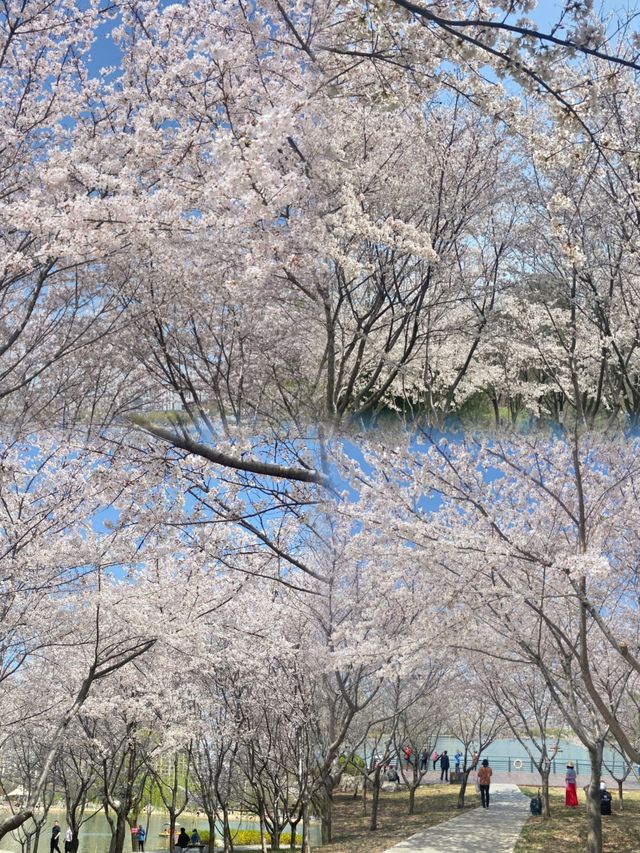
493	830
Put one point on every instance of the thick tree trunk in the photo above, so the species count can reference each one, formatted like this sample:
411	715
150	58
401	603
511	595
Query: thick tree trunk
226	830
172	833
375	799
275	834
546	805
75	841
306	843
133	824
211	818
263	831
594	816
326	812
463	788
118	837
75	829
412	798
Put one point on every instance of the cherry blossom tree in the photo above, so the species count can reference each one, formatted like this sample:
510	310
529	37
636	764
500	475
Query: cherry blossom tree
58	593
531	714
538	528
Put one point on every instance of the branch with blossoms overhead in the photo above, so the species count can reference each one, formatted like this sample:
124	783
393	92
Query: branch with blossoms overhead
586	36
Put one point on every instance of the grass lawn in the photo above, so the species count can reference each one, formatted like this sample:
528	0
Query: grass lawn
566	830
351	834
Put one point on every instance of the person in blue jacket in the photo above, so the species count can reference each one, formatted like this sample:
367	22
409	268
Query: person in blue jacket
457	758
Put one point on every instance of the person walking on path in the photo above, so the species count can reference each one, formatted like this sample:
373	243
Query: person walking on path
68	838
484	780
55	832
183	839
444	766
571	793
435	758
141	837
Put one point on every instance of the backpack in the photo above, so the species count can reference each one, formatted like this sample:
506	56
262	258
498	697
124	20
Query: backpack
535	805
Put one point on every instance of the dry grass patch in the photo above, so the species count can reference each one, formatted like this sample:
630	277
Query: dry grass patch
351	833
566	830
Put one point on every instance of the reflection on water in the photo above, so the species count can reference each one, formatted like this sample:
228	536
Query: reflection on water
95	833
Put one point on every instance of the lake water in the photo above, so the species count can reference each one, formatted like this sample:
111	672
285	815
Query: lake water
95	834
504	751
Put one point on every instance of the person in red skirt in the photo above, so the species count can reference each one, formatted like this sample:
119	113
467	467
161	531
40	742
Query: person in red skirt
571	795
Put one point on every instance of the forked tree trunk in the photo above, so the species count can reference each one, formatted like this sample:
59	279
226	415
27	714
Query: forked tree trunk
294	829
118	837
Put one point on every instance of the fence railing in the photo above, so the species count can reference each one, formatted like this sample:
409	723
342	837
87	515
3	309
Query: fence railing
514	764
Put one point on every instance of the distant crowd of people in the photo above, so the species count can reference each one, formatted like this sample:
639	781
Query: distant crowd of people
443	760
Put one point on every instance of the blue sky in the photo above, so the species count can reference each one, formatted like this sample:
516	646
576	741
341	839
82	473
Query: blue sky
106	53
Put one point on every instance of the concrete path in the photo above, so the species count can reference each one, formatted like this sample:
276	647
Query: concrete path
492	830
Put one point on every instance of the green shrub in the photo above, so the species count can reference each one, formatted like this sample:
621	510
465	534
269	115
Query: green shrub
248	836
353	766
252	836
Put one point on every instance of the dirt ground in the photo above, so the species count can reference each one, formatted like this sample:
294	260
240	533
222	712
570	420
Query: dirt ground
566	830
